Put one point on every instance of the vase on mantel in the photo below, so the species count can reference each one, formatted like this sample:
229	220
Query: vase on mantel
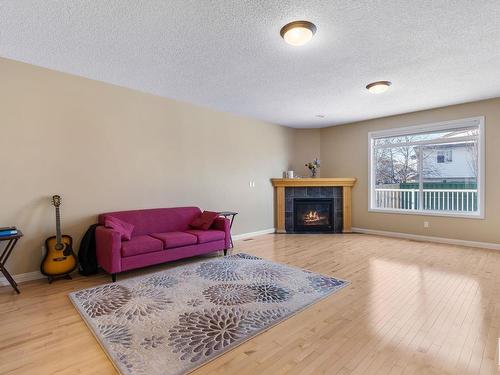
313	167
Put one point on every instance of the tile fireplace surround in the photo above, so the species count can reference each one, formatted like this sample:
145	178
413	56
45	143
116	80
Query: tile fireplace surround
338	189
301	200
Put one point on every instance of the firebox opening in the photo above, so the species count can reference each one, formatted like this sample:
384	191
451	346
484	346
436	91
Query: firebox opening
313	215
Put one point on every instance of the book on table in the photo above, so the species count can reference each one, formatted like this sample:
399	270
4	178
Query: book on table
8	231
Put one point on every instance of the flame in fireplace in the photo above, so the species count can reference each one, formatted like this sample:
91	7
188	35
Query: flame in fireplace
311	217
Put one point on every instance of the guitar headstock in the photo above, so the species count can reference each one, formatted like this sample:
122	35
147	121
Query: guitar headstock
56	200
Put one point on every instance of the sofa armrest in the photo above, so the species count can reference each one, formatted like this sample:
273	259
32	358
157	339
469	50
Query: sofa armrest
108	249
223	224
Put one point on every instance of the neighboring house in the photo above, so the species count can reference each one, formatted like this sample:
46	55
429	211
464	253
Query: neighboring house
449	163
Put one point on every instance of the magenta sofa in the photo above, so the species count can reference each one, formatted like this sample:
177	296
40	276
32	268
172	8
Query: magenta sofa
160	235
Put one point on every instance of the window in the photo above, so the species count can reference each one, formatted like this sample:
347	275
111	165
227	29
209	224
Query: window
444	156
435	169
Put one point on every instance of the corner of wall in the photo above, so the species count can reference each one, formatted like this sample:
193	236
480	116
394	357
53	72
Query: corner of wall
306	147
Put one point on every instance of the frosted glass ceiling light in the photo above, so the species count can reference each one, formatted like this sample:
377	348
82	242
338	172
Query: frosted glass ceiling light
378	87
298	33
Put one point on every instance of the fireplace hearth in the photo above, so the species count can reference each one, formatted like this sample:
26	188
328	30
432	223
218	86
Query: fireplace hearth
313	215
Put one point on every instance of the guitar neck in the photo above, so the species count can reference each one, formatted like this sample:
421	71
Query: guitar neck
58	226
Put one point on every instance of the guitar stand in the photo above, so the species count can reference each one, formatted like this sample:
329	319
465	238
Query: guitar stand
66	276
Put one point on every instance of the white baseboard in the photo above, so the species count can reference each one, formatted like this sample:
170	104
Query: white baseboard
417	237
22	277
242	236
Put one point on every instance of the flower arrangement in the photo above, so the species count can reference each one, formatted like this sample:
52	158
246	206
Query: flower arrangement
313	166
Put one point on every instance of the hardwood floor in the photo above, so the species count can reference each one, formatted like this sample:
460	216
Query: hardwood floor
412	308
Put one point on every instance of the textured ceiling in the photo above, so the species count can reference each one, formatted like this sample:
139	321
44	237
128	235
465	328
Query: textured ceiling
228	54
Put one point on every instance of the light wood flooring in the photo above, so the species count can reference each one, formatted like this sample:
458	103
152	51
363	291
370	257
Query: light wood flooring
412	308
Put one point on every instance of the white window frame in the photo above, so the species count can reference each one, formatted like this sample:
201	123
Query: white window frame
445	125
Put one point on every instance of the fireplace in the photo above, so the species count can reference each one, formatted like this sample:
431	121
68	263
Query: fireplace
337	190
313	215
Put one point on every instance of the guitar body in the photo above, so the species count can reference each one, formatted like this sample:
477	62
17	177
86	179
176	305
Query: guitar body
58	262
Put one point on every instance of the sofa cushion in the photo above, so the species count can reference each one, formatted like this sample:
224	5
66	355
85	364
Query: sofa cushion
204	221
175	239
205	236
141	245
125	229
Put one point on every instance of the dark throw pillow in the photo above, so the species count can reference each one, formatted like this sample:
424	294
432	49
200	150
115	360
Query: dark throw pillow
204	221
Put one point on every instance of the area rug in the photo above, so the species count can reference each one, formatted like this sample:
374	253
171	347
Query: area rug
172	322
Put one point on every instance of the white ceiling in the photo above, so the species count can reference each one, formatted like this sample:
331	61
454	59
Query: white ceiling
228	54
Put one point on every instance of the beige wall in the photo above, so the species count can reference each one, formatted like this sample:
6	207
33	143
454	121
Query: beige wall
104	148
306	147
344	152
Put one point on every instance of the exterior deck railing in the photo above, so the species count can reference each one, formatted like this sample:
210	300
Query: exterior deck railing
464	200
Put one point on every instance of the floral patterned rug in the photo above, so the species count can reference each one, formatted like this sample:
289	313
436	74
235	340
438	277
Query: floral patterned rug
174	321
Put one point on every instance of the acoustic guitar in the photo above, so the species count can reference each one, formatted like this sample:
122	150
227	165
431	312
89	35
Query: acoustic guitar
59	260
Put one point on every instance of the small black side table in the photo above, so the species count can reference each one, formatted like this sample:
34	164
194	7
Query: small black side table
227	214
11	242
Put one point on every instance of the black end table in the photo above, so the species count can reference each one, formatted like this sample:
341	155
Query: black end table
11	242
230	214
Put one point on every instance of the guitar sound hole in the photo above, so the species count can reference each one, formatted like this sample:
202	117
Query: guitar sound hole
59	246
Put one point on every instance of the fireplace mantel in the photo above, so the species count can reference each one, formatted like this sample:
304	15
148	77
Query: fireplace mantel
281	183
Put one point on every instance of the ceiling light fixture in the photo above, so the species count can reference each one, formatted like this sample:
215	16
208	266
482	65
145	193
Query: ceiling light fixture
298	33
378	87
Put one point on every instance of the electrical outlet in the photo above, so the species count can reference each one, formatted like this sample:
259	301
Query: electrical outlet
251	184
43	251
426	224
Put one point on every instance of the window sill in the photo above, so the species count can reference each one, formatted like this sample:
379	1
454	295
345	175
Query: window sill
461	215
